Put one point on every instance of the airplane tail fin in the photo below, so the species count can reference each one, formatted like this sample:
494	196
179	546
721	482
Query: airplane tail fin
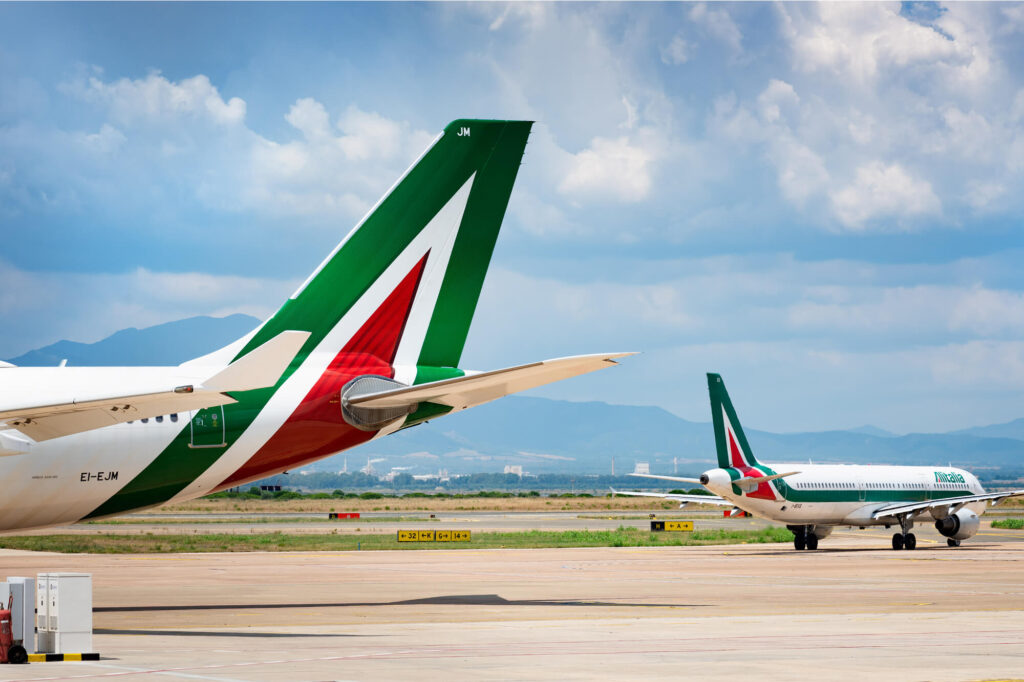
402	287
730	442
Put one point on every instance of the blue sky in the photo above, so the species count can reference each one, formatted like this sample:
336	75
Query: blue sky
821	202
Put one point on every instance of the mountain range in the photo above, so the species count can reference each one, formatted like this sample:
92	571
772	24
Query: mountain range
553	436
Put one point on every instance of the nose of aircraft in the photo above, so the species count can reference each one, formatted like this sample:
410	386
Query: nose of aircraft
716	480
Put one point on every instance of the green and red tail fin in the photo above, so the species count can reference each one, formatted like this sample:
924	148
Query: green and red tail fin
439	221
731	444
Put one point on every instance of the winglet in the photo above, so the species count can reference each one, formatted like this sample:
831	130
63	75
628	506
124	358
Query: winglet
259	368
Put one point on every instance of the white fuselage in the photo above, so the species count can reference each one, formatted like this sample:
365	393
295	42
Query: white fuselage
833	495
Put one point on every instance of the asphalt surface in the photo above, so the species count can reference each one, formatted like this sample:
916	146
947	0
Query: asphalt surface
849	611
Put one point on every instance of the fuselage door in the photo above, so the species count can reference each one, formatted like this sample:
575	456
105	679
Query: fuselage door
208	429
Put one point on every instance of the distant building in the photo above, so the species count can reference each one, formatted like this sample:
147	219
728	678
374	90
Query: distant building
441	476
516	469
642	468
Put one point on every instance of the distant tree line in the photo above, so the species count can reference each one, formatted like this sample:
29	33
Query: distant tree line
261	493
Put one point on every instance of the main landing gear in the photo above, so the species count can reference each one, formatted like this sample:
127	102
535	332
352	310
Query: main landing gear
804	537
904	539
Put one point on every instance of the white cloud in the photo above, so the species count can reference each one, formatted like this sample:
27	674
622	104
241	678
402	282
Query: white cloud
188	132
921	312
861	40
970	136
310	118
370	135
806	386
981	195
677	51
843	305
883	191
801	172
782	328
107	141
611	169
532	14
719	25
1017	109
155	97
778	96
977	364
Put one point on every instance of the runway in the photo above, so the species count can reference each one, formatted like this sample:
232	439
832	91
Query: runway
853	610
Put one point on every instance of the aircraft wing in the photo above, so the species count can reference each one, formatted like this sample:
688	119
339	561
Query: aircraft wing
95	408
696	499
681	479
482	387
954	502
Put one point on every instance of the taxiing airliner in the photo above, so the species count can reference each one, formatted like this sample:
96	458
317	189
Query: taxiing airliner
368	345
813	499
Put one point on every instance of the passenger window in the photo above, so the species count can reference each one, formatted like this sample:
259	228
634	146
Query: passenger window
174	417
144	420
160	419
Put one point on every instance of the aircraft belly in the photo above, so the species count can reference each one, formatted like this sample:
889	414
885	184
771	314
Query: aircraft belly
801	513
62	480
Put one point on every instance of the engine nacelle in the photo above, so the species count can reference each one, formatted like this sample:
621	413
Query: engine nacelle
960	525
371	418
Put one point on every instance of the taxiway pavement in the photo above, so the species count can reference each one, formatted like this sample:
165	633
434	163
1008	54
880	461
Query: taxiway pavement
851	610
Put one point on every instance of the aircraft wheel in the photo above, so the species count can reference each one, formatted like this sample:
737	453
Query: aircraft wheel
812	541
799	541
897	541
952	543
910	542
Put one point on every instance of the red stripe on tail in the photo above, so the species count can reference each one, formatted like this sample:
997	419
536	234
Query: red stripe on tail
316	428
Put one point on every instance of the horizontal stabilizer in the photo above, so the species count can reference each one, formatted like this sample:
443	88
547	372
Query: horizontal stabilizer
11	444
749	484
677	497
479	388
259	368
680	479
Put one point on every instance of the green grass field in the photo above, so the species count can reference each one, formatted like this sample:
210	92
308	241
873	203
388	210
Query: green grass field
281	542
1016	524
